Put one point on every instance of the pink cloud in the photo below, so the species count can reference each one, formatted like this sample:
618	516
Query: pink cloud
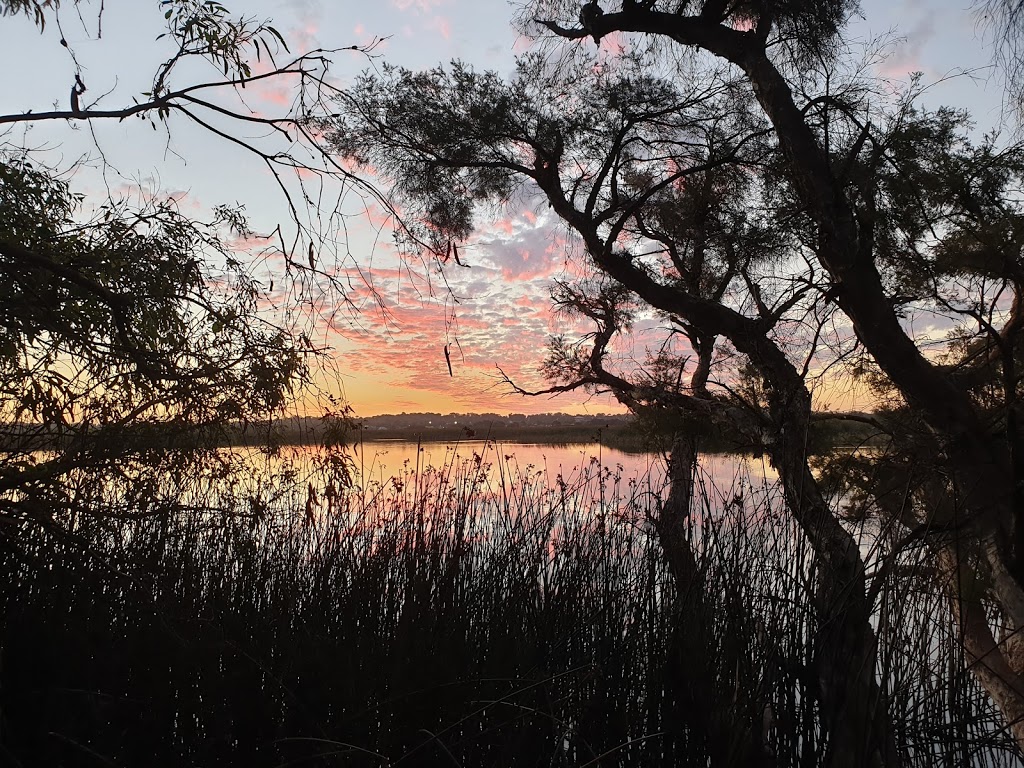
906	56
504	225
304	37
409	352
378	217
495	313
530	254
532	304
252	243
420	6
614	45
522	44
442	26
364	37
277	95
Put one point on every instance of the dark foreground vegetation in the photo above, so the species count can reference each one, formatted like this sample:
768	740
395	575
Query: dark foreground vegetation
458	616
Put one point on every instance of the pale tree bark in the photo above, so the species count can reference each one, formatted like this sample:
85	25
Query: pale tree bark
992	663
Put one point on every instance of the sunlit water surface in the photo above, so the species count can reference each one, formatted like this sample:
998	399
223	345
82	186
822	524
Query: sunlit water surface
607	477
379	461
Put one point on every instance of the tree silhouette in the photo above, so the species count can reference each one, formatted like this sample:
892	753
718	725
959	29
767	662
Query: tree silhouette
129	328
781	217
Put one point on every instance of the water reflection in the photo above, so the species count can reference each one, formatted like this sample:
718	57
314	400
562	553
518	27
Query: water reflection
602	476
378	461
492	480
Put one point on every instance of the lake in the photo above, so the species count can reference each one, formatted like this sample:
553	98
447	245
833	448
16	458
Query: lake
377	461
595	474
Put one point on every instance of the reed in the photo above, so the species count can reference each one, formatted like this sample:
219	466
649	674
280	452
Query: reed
479	613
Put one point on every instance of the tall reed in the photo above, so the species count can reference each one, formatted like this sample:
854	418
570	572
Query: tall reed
477	613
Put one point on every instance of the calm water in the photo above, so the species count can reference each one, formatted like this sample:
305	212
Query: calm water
720	476
457	474
379	460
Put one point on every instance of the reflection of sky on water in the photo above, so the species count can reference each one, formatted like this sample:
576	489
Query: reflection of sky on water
483	477
381	460
722	477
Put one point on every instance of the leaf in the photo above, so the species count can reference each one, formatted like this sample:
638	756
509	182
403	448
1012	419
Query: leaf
279	37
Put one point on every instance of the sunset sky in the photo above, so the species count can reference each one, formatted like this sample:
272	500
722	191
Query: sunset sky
389	353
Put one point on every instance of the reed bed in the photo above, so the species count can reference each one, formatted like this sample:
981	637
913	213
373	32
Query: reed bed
478	613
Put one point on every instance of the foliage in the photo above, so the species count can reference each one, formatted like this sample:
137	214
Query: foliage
732	174
31	8
205	29
120	331
130	326
1003	20
624	157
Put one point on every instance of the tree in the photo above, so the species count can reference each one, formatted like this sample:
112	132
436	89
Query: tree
755	197
119	334
1003	19
129	328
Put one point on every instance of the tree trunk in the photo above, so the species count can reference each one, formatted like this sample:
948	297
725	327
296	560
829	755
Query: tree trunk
853	705
730	740
988	660
981	465
674	516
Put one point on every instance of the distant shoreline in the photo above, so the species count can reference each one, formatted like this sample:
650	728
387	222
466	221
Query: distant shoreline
541	435
617	431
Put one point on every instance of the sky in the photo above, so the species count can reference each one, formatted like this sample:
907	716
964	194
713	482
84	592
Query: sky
389	330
